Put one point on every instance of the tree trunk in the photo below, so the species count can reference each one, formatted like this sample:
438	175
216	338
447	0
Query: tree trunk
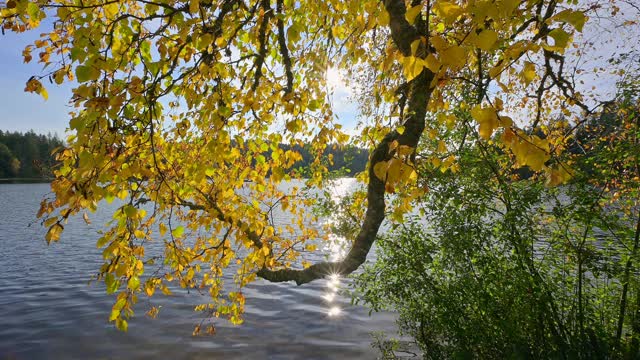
403	34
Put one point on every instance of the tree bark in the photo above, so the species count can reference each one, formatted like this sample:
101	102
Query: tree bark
403	34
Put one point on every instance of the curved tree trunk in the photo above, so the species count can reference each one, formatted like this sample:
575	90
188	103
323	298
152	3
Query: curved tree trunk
403	34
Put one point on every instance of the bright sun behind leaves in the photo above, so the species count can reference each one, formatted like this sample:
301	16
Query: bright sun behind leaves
334	79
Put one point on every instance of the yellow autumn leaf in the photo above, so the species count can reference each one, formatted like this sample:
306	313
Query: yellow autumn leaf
432	63
380	170
412	67
133	283
53	234
505	121
442	147
414	46
50	221
487	119
383	18
412	13
405	150
530	152
528	72
576	18
558	175
59	76
162	228
407	174
149	289
194	6
178	231
454	56
486	39
536	159
560	41
43	92
111	10
394	170
448	10
265	250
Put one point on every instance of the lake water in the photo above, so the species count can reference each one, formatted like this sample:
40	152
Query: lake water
49	311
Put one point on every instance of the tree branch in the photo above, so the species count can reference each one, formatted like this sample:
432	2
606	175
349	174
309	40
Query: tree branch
262	38
284	51
419	94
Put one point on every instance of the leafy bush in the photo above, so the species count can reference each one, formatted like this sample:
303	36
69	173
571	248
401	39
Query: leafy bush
493	266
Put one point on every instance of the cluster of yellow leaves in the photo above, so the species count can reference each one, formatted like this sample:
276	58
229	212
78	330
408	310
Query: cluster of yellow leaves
185	105
399	170
166	112
488	120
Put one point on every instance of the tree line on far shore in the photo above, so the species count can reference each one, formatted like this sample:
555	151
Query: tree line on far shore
27	155
30	156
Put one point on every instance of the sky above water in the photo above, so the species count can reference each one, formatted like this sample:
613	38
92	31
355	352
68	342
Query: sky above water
21	111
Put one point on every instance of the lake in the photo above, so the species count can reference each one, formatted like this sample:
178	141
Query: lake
48	310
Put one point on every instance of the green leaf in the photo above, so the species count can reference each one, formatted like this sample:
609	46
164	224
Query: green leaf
130	211
112	283
86	73
178	231
134	283
145	51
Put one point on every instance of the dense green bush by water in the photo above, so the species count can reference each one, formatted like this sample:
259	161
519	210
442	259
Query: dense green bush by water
492	266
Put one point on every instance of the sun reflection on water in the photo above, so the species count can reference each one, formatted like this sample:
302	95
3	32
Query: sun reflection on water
329	296
334	311
333	285
336	249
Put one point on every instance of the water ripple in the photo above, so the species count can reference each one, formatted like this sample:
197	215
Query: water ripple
49	311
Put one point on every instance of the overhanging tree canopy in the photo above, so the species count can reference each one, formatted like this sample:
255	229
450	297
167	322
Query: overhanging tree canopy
176	102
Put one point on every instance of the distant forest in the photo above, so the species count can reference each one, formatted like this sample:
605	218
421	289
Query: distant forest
347	160
27	155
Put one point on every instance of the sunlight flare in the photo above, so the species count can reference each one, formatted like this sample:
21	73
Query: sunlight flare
334	311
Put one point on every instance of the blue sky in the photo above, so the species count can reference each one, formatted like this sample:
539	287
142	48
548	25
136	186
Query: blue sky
21	111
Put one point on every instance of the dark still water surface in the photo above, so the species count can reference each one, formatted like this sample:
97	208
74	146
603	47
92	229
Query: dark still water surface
49	311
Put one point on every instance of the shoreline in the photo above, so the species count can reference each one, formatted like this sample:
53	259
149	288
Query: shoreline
25	180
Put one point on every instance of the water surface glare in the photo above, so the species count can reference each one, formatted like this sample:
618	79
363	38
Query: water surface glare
49	311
